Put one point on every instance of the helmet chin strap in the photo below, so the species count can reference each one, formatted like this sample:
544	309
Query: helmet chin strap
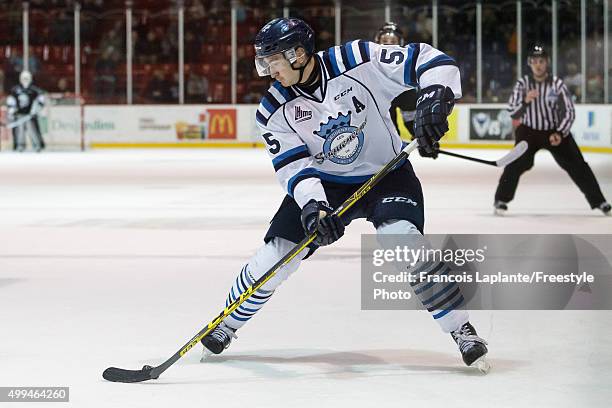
301	69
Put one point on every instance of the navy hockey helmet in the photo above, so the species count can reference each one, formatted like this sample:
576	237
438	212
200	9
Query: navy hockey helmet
282	35
389	29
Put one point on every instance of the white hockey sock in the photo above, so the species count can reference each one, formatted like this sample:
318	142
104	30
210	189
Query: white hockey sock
257	266
442	300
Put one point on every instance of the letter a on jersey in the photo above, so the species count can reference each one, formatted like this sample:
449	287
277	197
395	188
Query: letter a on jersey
359	106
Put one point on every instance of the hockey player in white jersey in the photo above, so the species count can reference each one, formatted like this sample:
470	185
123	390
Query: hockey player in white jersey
326	125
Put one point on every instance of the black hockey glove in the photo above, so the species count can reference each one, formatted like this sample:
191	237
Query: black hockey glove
316	216
433	106
435	149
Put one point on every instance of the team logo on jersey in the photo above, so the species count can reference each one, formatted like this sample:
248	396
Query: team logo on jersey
302	115
23	100
552	96
343	142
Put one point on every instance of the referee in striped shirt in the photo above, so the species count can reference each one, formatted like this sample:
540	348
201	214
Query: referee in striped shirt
545	109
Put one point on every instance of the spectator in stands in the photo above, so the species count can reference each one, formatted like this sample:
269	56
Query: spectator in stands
62	85
112	39
149	49
196	10
218	12
94	6
10	75
167	35
142	22
573	80
424	27
174	88
193	48
168	42
158	88
136	45
325	38
244	66
252	97
1	82
106	74
241	12
17	62
62	28
595	85
14	23
196	89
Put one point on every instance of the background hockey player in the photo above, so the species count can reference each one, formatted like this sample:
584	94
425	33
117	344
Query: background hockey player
326	125
545	108
24	103
403	107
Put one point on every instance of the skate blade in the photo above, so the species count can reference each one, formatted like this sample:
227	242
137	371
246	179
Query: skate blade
499	212
206	354
482	364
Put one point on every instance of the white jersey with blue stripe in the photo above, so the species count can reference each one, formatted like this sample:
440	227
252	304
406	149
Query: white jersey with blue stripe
343	132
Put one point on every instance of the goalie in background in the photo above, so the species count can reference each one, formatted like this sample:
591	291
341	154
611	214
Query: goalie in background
24	103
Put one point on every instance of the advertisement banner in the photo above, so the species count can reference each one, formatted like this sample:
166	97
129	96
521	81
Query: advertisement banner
453	133
222	123
159	124
592	125
490	124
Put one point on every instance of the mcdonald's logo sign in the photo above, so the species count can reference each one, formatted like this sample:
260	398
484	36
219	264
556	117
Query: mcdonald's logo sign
221	123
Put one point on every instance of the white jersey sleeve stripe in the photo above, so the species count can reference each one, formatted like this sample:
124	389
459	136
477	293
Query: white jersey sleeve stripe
435	67
338	56
276	94
355	51
350	55
438	61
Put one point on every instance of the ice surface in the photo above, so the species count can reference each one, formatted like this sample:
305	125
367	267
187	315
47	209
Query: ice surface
119	257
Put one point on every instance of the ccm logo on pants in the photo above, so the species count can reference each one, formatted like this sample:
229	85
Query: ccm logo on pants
398	200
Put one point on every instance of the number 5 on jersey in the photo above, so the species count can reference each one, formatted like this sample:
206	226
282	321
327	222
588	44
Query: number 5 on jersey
273	143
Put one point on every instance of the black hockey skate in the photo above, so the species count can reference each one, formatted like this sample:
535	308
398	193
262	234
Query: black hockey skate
473	348
500	207
218	340
606	208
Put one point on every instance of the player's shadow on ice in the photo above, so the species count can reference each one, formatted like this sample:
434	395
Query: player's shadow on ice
353	364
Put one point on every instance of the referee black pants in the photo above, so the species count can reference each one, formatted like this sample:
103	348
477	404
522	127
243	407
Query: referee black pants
567	155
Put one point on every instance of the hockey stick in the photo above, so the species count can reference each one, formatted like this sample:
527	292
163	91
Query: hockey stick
147	372
17	122
516	152
23	119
